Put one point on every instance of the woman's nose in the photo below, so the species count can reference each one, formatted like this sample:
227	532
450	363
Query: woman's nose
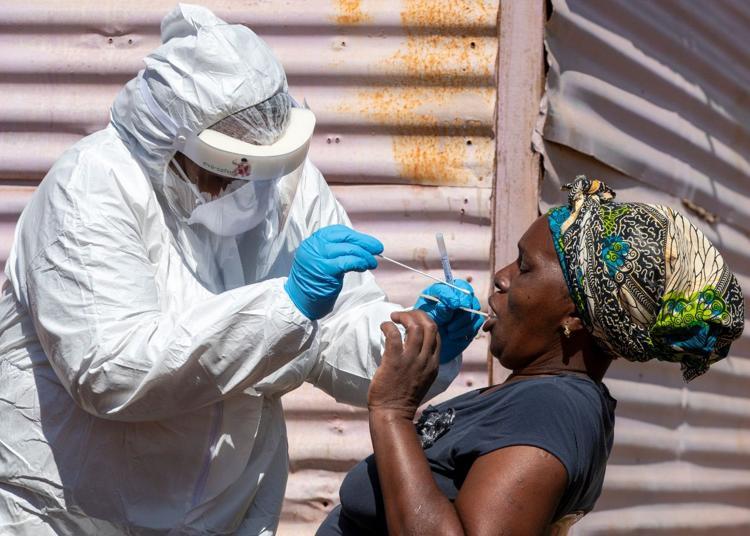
502	280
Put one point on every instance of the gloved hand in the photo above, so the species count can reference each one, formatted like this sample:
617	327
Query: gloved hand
320	263
457	328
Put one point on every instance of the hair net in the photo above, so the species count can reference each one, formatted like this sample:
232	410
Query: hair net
261	124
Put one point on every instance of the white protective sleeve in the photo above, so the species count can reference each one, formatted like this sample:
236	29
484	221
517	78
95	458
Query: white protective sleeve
126	349
350	341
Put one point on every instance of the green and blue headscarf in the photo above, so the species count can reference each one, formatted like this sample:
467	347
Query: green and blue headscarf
645	281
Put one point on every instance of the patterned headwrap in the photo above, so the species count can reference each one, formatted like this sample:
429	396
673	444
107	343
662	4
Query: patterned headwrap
646	282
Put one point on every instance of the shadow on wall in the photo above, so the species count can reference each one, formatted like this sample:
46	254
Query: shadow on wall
662	80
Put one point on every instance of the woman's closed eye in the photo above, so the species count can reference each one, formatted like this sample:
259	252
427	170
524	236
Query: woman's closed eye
521	262
523	266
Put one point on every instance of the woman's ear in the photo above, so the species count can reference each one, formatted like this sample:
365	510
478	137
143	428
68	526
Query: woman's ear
573	323
571	330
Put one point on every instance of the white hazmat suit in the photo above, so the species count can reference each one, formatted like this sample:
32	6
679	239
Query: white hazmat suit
142	359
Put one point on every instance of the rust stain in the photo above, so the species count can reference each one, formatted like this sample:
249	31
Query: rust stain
434	50
430	159
448	60
349	13
436	158
449	13
430	147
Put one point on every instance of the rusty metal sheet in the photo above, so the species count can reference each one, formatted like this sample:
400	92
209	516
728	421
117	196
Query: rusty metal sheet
404	92
652	97
406	86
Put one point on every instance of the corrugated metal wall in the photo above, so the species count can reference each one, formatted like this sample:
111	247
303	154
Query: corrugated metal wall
653	97
405	96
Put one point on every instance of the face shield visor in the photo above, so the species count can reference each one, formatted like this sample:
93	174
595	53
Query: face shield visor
264	142
252	149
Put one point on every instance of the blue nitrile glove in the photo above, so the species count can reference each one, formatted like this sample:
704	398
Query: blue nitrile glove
457	328
320	263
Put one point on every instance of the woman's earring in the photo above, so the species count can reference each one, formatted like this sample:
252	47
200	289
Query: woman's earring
566	331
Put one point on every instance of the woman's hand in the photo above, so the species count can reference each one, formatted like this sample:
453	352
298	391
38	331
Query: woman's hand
408	367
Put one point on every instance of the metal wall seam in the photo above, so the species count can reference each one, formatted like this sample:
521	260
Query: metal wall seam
651	97
520	81
404	92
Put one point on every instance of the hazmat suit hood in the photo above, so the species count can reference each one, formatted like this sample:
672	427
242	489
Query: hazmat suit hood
204	71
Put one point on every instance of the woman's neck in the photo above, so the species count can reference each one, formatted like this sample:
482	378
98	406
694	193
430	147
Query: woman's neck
583	361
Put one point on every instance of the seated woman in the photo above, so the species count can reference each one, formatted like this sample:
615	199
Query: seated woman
593	281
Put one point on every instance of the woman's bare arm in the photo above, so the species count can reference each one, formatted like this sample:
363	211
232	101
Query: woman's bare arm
514	490
414	504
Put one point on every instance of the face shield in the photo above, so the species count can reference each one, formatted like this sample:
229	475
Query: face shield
251	148
263	142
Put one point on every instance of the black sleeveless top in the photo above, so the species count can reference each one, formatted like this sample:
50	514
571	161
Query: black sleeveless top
571	417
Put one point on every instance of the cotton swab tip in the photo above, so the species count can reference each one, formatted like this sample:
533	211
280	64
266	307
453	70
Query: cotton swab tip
434	299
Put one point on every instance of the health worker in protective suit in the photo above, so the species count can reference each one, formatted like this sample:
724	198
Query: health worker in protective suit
174	275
